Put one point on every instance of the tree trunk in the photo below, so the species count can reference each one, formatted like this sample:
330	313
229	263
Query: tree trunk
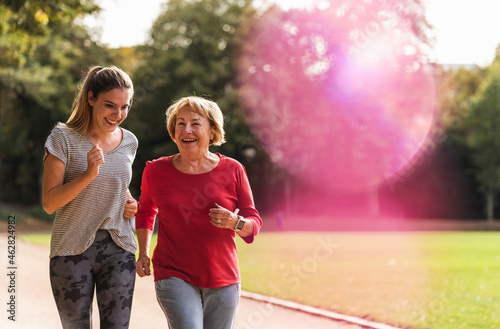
490	206
288	198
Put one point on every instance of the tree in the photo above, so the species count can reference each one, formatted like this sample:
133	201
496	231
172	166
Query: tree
195	48
482	136
455	89
44	52
192	50
24	24
318	107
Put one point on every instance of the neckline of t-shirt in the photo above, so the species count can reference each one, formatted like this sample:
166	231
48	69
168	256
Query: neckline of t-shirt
113	150
221	159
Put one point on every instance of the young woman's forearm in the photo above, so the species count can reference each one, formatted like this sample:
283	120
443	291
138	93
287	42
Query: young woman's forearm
56	193
60	195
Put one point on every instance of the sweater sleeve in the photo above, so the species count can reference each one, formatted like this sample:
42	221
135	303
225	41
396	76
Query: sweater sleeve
246	204
146	214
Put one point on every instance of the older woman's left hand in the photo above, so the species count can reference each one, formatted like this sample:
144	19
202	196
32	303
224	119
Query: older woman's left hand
222	218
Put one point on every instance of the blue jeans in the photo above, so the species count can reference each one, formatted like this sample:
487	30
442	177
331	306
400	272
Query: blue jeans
189	307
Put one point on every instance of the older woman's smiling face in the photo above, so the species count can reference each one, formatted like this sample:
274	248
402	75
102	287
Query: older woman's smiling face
192	131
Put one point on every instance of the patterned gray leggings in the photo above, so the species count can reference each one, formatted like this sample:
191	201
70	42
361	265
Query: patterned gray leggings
105	266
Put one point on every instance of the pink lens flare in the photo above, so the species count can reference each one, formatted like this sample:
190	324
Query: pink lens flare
341	96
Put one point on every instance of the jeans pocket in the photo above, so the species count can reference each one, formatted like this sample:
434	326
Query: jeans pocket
159	284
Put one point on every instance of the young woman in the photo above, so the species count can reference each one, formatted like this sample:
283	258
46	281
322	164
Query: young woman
87	171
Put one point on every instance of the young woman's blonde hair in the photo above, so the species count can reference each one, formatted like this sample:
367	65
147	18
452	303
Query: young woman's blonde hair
98	80
203	107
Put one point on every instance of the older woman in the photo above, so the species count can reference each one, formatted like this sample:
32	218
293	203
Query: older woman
203	200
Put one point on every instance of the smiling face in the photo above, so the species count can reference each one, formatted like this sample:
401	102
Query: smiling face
192	131
109	109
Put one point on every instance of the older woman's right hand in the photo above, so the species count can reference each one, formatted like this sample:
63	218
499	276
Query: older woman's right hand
143	266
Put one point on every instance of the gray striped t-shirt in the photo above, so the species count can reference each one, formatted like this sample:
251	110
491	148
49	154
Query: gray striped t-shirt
101	204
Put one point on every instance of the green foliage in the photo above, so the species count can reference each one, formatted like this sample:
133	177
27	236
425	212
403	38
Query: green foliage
38	81
26	23
126	58
5	212
455	89
482	137
39	212
192	50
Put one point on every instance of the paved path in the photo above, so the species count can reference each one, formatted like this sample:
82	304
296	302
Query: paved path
35	307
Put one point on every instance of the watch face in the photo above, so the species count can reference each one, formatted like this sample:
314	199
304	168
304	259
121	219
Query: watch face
240	225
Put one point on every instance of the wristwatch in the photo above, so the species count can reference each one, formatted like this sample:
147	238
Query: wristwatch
240	223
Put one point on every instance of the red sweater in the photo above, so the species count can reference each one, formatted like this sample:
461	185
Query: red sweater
189	247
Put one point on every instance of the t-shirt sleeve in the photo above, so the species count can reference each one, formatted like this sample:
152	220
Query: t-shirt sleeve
146	214
133	141
56	144
246	204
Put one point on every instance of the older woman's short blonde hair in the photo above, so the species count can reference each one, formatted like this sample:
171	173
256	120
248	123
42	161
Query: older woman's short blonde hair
202	106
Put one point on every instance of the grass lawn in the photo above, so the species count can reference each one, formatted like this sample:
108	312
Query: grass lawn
420	280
